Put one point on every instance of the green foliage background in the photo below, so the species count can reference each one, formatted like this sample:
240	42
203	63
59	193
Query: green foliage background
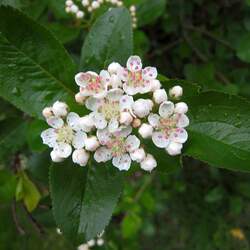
191	207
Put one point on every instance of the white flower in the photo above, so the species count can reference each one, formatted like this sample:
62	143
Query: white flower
91	143
176	92
174	148
138	155
155	84
83	247
100	242
137	80
47	112
168	126
55	157
60	109
160	96
117	146
142	107
92	84
80	14
126	118
80	157
149	163
145	130
181	108
91	243
63	135
114	67
107	111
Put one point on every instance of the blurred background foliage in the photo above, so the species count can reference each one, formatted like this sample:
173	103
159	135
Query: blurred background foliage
197	207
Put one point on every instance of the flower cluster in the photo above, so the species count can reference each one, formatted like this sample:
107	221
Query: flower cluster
115	115
88	6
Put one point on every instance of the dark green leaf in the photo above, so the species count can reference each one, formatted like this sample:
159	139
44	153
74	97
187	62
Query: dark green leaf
7	186
109	40
35	68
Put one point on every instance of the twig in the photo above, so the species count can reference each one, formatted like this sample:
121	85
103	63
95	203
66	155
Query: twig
14	216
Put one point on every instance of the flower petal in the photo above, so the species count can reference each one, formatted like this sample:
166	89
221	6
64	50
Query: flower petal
49	137
105	78
149	73
160	140
113	125
55	122
93	104
114	94
132	143
122	73
182	121
63	150
83	78
179	135
153	119
134	64
104	136
146	87
102	154
78	139
101	94
123	131
130	90
122	162
99	120
166	109
126	102
73	120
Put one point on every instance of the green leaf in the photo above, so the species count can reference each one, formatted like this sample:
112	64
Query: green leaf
131	225
13	3
7	186
35	68
27	191
84	198
219	132
243	47
109	40
148	11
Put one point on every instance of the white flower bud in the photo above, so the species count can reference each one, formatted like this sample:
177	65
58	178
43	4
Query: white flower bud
80	14
174	148
85	3
58	231
91	243
100	242
55	157
83	247
80	157
132	8
86	123
113	67
176	92
74	8
119	3
69	2
126	118
181	108
136	123
142	107
160	96
138	155
60	109
149	163
91	143
47	112
80	98
95	5
145	130
90	9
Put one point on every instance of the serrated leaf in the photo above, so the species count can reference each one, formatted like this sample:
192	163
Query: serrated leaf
84	198
35	68
219	132
109	40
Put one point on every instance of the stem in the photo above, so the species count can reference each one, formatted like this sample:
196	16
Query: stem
15	219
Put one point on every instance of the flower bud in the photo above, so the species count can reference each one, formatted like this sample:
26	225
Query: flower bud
100	242
80	14
80	98
47	112
74	8
81	157
91	243
174	148
113	67
160	96
181	108
60	109
145	130
86	123
69	2
142	107
149	163
91	143
55	157
95	5
138	155
136	123
132	8
176	92
85	3
155	84
126	118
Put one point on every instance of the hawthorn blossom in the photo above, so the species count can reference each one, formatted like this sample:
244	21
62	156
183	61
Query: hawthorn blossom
136	79
117	146
63	135
92	84
169	128
107	111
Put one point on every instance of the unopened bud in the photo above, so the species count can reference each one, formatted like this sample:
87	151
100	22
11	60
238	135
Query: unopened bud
80	157
149	163
145	130
91	143
160	96
176	92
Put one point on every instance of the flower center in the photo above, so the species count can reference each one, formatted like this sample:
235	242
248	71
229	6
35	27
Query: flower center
135	79
94	84
117	146
65	134
167	125
110	109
